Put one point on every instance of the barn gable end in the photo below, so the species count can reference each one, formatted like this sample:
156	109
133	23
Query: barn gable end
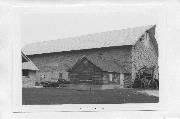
145	53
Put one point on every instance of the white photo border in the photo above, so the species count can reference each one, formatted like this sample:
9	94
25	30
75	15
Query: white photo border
17	79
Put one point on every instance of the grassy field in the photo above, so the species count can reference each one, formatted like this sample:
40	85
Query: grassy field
50	96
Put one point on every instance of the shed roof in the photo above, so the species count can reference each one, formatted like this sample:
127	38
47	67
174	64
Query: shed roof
104	65
24	57
29	66
98	40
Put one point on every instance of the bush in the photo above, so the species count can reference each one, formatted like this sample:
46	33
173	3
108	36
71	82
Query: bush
137	83
37	83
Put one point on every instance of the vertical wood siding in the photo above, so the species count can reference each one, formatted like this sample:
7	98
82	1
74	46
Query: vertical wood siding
86	71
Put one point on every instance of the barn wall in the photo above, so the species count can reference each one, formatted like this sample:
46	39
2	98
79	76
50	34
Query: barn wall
105	77
57	62
29	81
144	54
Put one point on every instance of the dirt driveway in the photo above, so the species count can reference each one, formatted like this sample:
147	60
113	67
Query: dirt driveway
148	92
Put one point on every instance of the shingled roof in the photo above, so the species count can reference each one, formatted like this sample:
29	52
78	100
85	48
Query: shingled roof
98	40
104	65
29	66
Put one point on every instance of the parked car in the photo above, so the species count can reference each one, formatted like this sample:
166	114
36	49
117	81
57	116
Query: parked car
44	83
63	81
49	84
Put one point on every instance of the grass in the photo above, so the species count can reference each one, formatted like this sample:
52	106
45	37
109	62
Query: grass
51	96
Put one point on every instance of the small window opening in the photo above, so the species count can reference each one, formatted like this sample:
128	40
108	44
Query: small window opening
25	72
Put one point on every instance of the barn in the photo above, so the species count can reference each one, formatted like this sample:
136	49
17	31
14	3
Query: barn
111	57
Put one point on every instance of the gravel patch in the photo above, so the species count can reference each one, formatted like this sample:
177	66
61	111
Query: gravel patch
149	92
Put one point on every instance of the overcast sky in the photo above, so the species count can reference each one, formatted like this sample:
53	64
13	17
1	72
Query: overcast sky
50	24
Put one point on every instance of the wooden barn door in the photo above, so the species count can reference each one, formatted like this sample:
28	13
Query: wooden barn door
83	77
85	74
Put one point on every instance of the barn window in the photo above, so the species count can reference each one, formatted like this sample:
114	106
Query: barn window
114	78
42	76
25	72
110	77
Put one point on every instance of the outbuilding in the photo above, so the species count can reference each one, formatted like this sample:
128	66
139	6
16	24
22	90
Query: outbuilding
95	70
28	72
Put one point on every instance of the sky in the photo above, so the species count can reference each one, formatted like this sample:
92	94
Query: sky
44	23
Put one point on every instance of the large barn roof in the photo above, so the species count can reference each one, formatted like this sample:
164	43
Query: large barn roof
98	40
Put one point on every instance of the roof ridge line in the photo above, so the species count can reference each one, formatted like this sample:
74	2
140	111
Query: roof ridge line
90	34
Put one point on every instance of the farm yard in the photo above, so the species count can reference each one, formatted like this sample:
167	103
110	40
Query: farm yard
52	96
